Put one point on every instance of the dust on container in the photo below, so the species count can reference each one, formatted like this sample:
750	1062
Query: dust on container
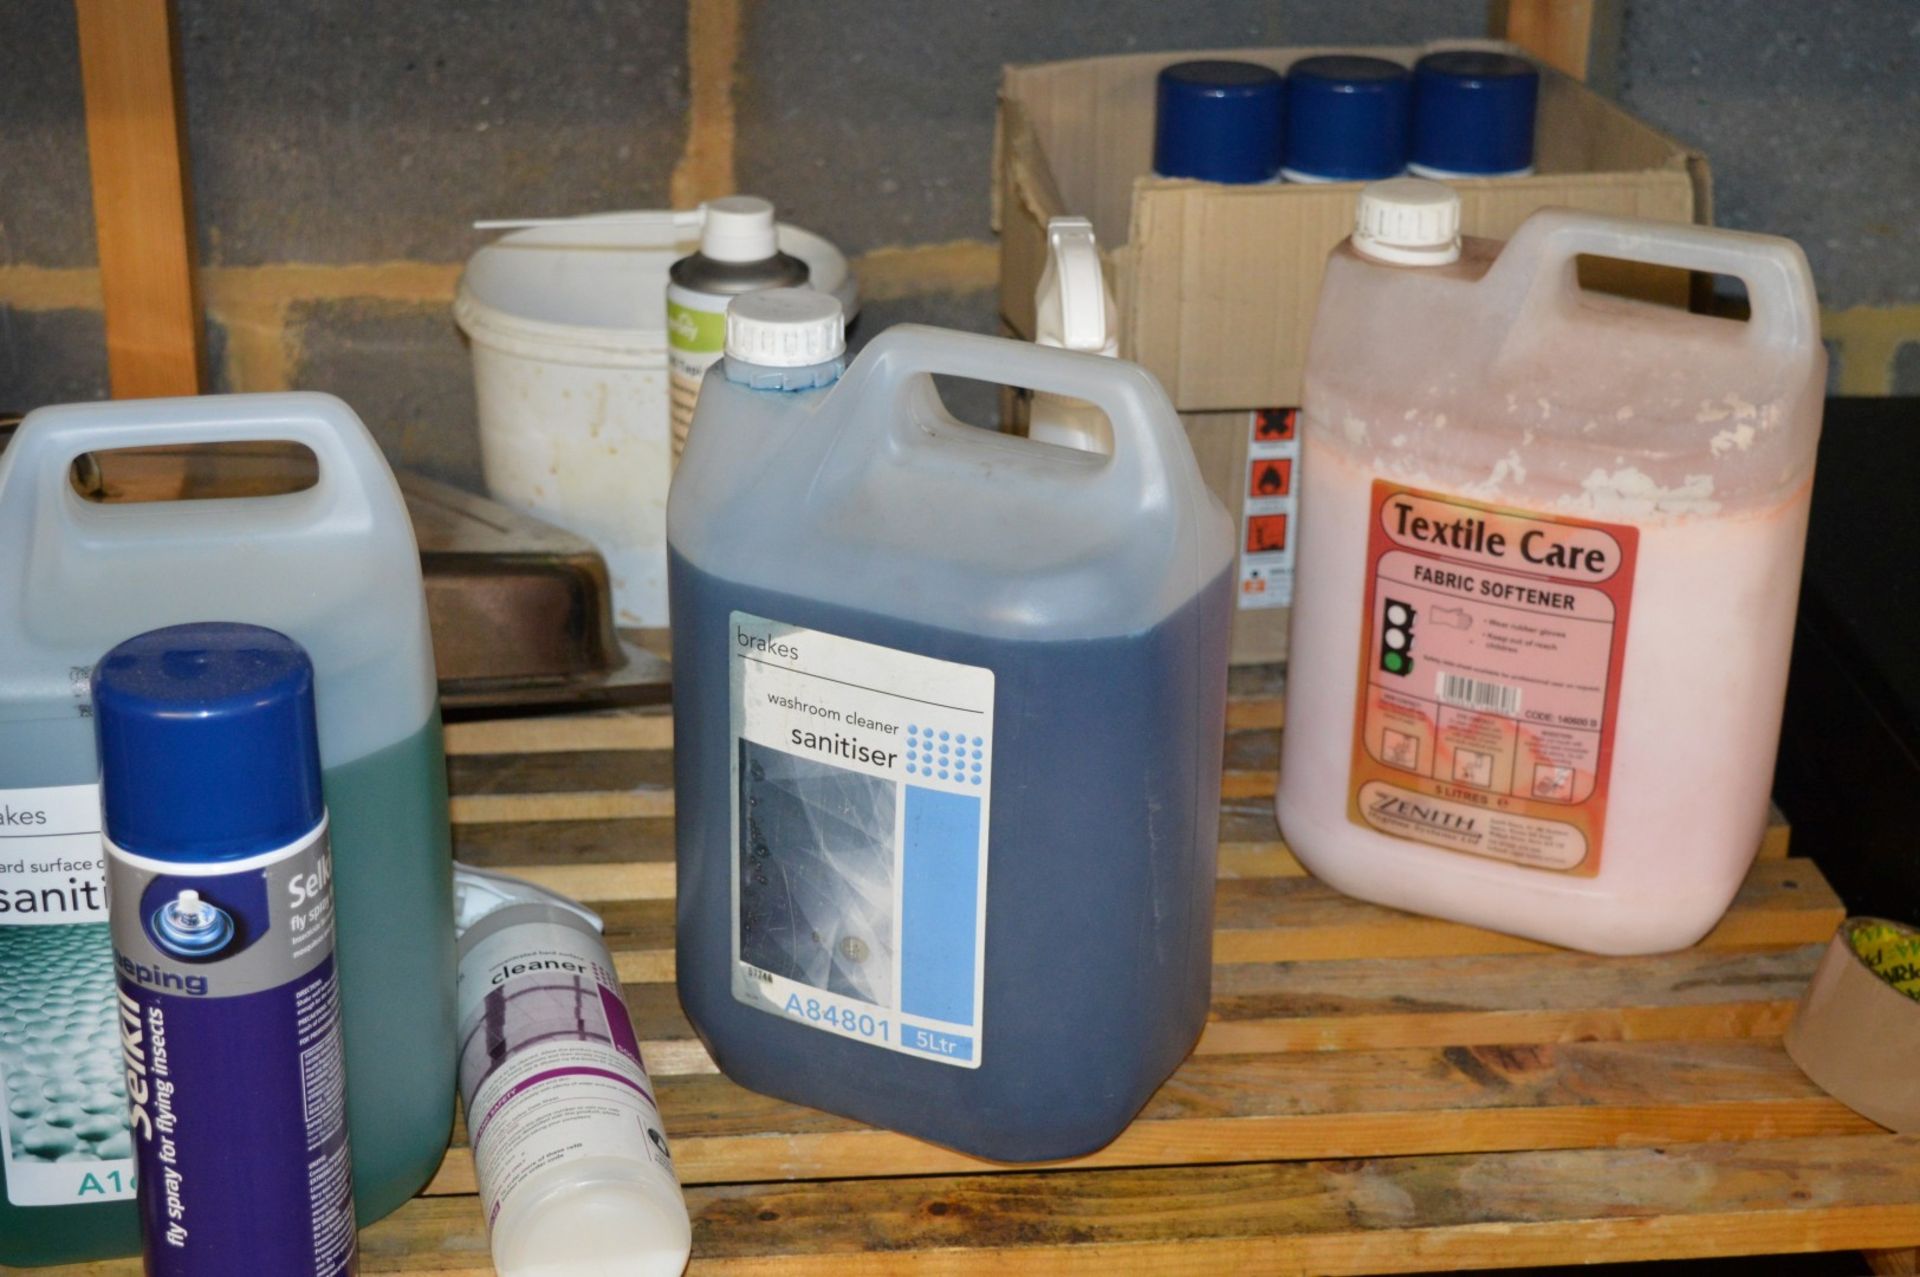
948	723
334	567
1547	586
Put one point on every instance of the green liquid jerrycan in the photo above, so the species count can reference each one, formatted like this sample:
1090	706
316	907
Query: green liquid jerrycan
335	567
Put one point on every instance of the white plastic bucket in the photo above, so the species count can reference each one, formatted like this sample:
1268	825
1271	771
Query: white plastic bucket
568	324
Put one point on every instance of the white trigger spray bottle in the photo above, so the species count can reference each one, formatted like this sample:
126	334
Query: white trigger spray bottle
1074	310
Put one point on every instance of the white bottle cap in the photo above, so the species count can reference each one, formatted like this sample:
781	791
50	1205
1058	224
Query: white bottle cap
785	328
1408	221
738	228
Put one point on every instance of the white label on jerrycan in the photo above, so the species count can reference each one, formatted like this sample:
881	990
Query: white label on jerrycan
861	777
63	1122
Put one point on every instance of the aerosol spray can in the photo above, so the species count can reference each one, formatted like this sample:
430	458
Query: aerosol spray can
220	901
739	253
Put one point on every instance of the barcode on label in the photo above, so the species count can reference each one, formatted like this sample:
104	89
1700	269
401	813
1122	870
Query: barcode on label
1473	693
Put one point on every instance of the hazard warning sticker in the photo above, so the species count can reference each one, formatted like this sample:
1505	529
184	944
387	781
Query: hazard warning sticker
1269	509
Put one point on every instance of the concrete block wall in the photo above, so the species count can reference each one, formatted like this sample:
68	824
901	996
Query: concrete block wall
1810	116
339	152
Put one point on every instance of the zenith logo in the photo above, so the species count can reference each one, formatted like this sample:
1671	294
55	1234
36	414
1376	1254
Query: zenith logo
1394	807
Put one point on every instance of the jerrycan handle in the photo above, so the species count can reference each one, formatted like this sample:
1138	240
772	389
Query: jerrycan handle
50	439
1151	457
1779	284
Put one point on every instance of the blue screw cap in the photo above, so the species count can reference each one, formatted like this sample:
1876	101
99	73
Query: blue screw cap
1348	119
1473	114
1218	121
209	749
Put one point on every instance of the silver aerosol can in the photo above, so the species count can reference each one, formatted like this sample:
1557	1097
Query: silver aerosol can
739	253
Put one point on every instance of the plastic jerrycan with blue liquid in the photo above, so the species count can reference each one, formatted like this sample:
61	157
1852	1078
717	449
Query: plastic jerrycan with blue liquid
335	567
948	716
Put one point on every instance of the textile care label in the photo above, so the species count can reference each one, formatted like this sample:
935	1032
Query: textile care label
1489	678
861	777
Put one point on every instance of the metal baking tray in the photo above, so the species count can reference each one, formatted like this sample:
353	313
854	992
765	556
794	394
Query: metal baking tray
521	611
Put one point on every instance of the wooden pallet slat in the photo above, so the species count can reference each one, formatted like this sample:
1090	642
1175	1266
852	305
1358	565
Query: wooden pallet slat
620	770
1482	1000
1475	1000
563	733
1408	1214
519	846
580	858
1322	1006
1782	903
631	858
1306	1105
1373	1091
616	804
1375	1216
1299	919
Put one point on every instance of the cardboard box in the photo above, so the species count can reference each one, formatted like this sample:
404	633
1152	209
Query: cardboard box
1216	285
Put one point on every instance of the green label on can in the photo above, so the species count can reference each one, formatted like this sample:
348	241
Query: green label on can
698	331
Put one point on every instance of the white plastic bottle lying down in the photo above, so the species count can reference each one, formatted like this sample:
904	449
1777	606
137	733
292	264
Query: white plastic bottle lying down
568	1146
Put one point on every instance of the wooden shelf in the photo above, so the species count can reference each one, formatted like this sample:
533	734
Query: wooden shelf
1374	1092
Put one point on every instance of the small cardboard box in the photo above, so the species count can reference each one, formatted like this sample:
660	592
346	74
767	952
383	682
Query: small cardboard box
1216	285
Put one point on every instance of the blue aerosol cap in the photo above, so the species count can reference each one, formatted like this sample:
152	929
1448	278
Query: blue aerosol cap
1218	121
208	743
1348	118
1473	114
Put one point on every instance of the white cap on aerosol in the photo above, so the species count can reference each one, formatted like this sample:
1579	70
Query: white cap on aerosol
785	328
1408	221
738	228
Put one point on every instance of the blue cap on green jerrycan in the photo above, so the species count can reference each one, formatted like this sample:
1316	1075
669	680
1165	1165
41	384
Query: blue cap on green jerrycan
1218	121
1347	119
1473	112
208	749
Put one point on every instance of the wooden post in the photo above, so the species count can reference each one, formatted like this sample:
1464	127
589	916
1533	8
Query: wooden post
142	203
1558	32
